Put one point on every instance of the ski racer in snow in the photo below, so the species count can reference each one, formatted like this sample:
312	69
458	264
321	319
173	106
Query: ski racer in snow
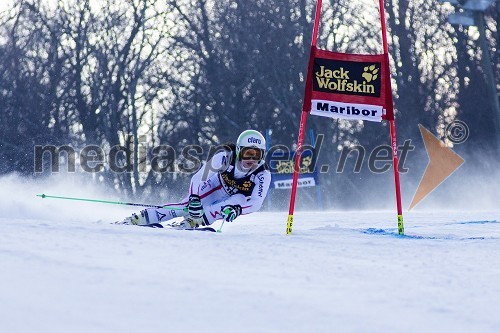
233	183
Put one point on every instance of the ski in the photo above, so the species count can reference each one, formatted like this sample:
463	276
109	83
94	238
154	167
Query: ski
159	225
151	225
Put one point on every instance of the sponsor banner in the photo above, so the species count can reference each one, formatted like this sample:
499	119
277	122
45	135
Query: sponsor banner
302	182
347	77
281	164
346	110
350	80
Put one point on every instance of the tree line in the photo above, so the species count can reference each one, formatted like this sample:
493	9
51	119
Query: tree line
138	73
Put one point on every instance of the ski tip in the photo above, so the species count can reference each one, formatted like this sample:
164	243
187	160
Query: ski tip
41	195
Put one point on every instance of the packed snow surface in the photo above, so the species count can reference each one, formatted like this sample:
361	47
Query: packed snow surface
337	272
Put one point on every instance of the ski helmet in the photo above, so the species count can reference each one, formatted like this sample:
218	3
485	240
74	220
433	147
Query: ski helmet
251	139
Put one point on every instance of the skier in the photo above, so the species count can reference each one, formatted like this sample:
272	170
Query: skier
233	183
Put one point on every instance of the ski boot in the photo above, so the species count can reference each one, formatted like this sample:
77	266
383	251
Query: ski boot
136	219
188	223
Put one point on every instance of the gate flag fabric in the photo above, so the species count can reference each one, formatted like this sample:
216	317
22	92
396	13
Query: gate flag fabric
350	86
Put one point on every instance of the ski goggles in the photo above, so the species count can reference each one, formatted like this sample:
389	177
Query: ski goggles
251	154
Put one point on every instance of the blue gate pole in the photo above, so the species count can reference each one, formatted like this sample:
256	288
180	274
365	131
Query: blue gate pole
268	146
318	190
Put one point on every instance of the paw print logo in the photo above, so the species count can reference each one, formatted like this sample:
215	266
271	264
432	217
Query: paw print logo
306	161
370	73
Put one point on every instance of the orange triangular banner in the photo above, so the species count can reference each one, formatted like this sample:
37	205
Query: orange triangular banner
442	163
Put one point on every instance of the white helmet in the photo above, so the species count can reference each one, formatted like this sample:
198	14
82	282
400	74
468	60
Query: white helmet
251	139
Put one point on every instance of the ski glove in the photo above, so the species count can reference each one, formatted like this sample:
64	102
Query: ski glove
195	208
230	212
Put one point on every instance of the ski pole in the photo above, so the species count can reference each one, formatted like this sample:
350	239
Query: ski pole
43	196
220	228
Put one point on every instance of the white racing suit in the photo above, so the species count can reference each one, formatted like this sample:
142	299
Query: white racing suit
220	182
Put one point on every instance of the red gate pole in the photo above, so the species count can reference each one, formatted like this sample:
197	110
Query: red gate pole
306	107
392	126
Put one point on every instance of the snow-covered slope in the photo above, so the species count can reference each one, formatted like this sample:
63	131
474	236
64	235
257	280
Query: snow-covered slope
338	272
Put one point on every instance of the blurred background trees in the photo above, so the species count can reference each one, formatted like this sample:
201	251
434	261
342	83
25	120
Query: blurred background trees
144	73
